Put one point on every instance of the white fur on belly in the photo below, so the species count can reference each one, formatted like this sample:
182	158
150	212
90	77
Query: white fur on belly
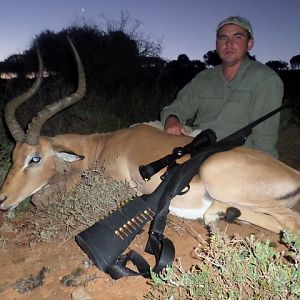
191	213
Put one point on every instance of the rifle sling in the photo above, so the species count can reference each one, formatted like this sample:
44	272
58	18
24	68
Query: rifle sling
163	250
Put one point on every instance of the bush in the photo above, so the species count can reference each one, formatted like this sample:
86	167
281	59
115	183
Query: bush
234	268
69	213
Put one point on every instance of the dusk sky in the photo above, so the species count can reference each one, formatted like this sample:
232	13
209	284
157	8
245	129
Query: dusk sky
183	26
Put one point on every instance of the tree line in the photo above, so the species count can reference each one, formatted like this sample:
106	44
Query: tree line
123	65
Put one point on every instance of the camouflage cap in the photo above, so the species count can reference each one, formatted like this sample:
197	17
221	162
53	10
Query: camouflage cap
244	23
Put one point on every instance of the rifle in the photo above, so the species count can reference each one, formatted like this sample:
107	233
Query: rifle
105	241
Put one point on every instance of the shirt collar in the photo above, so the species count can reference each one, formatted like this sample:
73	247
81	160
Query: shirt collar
239	73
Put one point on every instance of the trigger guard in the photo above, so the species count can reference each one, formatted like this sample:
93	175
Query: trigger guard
185	190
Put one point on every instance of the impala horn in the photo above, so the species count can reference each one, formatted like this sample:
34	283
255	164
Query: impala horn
10	109
34	128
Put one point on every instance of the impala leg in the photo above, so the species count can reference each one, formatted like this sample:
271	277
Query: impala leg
218	210
288	218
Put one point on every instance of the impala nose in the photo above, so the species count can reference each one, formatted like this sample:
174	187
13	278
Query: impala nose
2	199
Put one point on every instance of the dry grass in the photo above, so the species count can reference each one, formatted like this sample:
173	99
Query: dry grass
93	198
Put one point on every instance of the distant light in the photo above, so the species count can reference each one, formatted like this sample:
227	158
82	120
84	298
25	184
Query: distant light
82	10
31	75
8	75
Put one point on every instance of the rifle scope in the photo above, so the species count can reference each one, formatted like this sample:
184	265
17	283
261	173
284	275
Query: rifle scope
204	139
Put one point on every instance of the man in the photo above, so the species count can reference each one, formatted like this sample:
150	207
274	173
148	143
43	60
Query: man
231	95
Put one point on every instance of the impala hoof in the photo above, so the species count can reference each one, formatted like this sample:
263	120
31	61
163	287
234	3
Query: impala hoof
232	214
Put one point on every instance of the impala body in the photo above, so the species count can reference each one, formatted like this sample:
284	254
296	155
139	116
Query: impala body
262	188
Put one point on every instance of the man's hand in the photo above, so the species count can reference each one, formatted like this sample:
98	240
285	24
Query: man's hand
173	126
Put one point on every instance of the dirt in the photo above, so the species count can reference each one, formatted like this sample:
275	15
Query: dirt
56	270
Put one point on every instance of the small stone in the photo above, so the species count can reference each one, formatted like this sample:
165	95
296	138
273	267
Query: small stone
74	279
80	294
88	263
31	282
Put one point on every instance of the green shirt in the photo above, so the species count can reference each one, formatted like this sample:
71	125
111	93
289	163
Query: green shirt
226	106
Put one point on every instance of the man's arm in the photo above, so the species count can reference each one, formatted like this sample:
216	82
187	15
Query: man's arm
267	97
184	107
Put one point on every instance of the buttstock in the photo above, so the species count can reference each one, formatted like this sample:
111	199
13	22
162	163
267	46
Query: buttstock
107	239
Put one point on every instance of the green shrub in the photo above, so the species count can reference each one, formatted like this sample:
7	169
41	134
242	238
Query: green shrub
234	268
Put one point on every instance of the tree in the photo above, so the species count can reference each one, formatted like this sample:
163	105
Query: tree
251	57
20	64
212	58
295	62
110	59
146	46
13	64
198	65
277	64
178	73
57	54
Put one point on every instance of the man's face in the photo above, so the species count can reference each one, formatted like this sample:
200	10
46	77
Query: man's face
233	43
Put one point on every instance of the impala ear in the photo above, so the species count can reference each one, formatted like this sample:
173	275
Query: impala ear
66	154
69	156
64	159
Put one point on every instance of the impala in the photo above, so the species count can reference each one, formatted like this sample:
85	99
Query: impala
262	188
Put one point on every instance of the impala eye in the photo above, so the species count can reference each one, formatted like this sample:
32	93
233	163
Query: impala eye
35	160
